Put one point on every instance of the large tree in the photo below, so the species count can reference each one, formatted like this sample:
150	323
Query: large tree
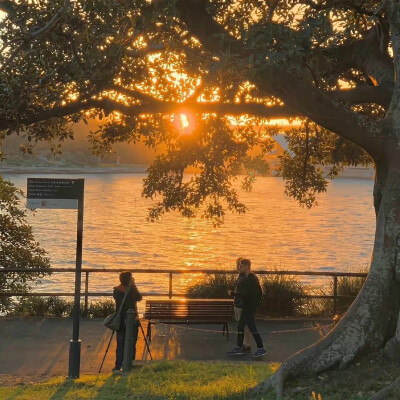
332	63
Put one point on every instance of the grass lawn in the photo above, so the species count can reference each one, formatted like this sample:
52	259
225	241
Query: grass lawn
159	380
212	380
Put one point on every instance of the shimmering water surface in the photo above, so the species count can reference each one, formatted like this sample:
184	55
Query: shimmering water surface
275	233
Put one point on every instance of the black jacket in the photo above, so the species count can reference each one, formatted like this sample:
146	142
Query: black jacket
130	302
239	292
252	292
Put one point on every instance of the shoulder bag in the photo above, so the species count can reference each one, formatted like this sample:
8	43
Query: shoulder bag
113	321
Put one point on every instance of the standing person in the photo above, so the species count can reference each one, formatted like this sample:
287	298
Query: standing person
238	299
251	298
133	296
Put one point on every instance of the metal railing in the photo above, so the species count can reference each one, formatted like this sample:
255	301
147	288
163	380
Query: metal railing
171	272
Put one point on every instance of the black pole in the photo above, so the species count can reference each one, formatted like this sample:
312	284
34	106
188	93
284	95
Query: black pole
75	343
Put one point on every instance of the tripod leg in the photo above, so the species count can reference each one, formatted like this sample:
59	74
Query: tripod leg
101	366
145	340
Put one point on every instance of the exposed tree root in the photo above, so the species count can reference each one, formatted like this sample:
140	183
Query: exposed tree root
361	330
389	392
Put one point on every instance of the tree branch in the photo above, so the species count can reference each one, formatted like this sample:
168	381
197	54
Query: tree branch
36	34
297	94
51	23
362	95
346	4
155	107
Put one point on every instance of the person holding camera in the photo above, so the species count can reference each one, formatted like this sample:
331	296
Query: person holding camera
127	283
251	293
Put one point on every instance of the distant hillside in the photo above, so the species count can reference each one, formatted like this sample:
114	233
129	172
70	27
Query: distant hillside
75	153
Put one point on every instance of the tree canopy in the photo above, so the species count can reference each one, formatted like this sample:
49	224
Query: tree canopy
18	246
231	66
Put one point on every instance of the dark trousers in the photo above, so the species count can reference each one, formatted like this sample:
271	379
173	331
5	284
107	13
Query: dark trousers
121	344
247	318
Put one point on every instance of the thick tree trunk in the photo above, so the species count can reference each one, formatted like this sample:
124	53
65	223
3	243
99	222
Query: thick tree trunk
371	321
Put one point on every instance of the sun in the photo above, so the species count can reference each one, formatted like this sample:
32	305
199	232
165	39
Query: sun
184	122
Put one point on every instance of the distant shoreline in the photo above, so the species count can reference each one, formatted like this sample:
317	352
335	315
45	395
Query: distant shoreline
123	169
347	173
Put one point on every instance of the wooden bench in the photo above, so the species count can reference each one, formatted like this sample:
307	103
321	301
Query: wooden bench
190	311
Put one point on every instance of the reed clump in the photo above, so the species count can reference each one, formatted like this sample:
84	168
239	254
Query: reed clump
54	306
212	286
284	295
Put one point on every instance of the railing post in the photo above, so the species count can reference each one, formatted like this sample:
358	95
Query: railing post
335	293
170	286
86	293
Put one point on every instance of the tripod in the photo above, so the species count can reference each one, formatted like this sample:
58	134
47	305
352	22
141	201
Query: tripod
109	343
145	340
108	346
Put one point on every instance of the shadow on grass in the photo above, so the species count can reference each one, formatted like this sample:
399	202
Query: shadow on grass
183	381
64	388
154	381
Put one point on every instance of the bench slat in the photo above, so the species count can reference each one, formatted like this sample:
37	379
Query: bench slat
207	310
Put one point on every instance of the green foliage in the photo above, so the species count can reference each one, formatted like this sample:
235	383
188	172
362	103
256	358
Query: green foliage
18	246
100	308
310	148
349	286
135	65
213	286
39	306
218	156
53	306
282	296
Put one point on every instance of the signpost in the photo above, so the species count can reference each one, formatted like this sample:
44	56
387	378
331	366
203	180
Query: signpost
52	193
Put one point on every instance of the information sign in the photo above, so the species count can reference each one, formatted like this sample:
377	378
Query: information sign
54	193
64	193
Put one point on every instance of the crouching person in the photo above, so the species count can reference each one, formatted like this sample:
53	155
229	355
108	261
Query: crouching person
127	285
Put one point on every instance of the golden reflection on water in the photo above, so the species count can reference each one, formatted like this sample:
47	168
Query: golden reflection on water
275	233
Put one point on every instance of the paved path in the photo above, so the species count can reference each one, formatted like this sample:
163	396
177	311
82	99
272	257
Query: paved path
38	347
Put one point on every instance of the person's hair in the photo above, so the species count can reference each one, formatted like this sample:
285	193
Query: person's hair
125	278
238	260
246	262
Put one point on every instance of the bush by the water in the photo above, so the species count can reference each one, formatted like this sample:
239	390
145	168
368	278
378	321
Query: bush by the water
53	306
38	306
349	286
213	286
282	295
100	308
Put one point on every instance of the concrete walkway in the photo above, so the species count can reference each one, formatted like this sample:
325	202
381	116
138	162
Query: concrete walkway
38	347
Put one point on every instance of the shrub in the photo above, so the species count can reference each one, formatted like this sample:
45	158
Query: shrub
38	306
282	295
349	286
213	286
19	249
100	308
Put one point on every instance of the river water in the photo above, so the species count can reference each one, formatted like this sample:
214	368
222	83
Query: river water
337	235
